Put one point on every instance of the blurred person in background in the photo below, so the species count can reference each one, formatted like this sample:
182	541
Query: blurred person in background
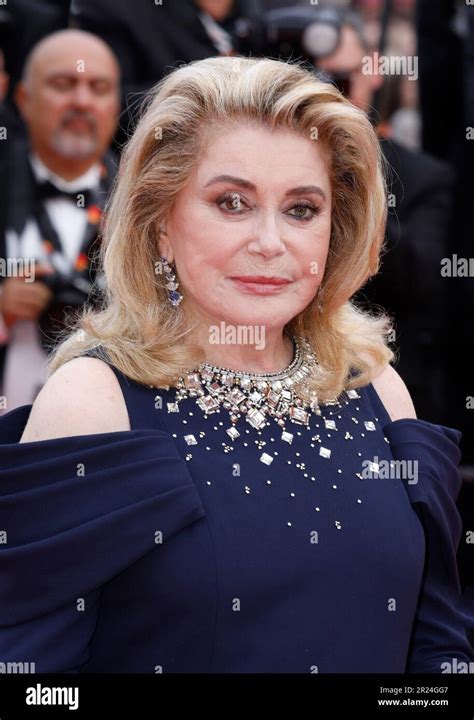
6	25
151	40
372	9
58	183
445	31
397	99
446	59
409	285
399	114
10	119
30	21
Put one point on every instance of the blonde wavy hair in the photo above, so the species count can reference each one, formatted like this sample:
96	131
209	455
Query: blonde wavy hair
137	328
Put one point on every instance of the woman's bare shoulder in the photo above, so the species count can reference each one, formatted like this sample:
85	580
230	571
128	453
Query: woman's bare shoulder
82	397
394	394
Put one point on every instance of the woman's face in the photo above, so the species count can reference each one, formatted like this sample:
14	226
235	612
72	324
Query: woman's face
258	204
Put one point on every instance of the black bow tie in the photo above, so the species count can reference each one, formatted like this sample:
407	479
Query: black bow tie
46	190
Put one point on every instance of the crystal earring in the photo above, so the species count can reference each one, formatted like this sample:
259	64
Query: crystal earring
174	297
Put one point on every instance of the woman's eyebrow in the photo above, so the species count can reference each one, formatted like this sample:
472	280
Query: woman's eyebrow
247	185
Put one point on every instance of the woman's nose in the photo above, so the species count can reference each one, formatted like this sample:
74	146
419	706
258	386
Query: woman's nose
267	237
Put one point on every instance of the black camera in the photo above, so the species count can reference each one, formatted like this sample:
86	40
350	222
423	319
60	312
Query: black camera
285	33
70	293
290	33
67	289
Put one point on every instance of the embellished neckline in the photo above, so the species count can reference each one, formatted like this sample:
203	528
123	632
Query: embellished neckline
208	368
257	397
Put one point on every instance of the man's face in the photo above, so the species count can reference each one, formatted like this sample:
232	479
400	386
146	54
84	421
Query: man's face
71	100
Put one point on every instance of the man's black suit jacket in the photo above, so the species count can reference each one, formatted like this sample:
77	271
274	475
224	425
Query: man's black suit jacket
14	182
409	284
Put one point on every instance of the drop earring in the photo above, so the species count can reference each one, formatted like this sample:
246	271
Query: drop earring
174	297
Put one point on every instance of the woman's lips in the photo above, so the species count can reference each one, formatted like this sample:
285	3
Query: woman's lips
260	285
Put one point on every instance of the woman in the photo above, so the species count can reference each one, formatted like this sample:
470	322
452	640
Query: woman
199	485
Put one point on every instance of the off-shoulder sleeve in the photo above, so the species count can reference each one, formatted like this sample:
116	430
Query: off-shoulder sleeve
75	512
439	631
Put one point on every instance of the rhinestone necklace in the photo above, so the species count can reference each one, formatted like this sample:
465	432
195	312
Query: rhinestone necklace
254	396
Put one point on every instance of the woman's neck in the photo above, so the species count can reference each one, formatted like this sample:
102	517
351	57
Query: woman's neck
244	353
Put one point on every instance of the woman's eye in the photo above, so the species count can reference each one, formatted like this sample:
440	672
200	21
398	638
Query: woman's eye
303	214
232	202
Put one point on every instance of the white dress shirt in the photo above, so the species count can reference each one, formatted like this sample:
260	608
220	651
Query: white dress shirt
25	362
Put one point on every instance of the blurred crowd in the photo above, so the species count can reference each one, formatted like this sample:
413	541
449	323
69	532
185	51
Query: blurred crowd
73	76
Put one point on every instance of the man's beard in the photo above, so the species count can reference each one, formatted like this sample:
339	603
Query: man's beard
75	145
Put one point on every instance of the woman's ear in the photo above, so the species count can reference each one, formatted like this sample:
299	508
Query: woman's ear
164	246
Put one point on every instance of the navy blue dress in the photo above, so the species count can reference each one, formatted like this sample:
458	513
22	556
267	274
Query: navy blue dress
174	548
